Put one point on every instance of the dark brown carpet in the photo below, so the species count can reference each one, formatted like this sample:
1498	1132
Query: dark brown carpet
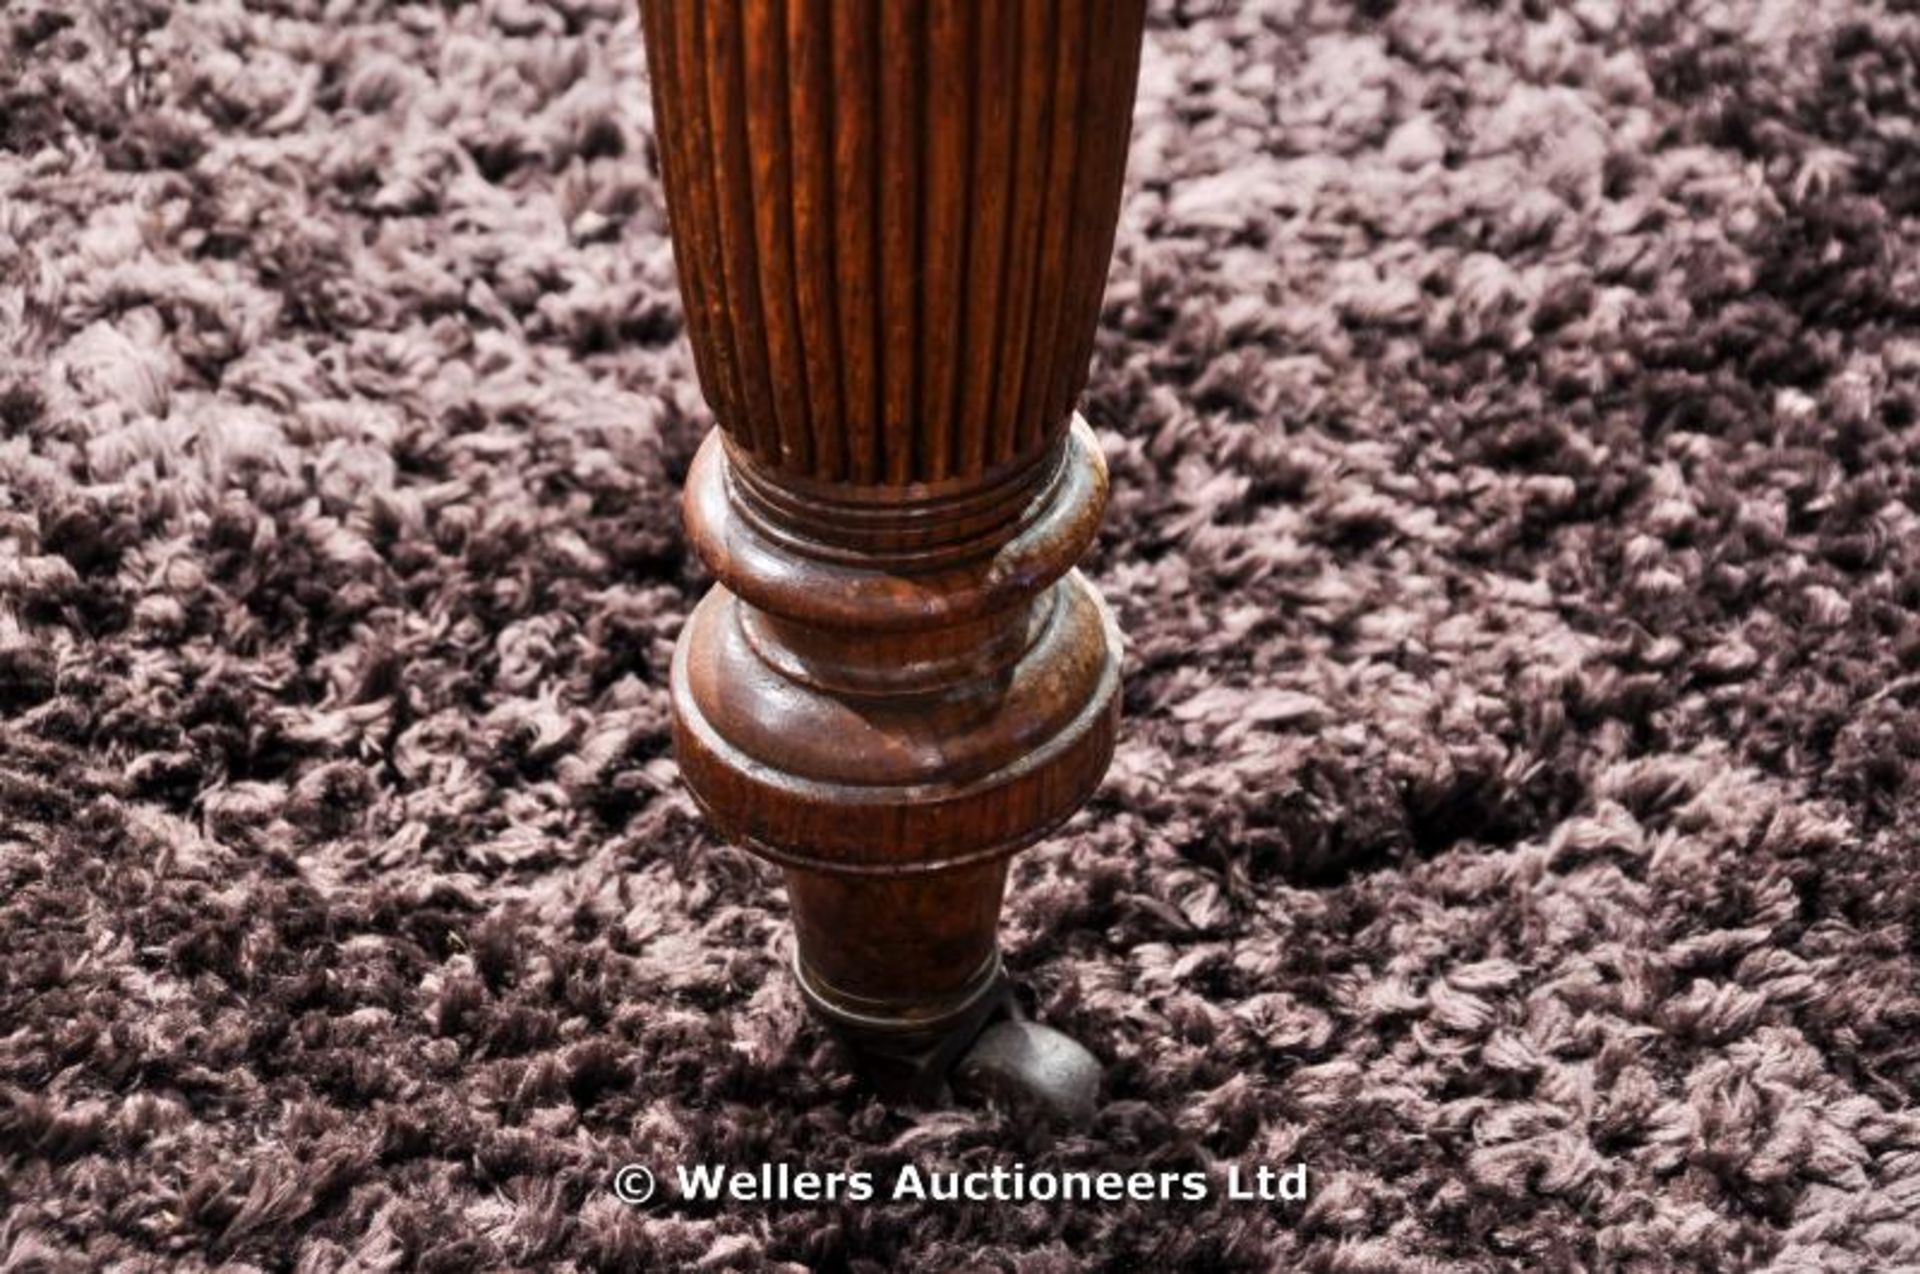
1514	412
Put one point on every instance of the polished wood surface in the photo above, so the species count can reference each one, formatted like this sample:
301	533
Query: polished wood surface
892	221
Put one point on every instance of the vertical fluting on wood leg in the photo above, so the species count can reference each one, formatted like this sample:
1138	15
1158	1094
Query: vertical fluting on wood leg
892	221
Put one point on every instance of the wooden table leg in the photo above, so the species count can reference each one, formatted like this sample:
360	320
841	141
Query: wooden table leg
892	222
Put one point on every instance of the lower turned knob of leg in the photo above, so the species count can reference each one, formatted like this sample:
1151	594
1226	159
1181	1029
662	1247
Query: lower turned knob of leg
892	747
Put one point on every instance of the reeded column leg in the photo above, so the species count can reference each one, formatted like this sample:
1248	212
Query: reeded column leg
892	221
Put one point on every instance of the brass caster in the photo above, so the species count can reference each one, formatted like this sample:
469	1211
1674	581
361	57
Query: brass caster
989	1050
910	1068
1034	1071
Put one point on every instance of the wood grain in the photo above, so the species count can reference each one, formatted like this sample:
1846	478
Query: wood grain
893	220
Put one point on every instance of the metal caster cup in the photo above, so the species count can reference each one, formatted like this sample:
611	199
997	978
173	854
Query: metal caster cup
994	1053
1033	1070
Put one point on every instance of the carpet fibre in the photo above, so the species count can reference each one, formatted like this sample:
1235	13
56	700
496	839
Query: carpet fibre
1514	416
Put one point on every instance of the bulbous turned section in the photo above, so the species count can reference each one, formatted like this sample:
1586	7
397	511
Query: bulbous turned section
889	736
892	221
862	719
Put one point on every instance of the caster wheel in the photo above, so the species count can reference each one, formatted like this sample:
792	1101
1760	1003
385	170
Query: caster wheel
1032	1069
